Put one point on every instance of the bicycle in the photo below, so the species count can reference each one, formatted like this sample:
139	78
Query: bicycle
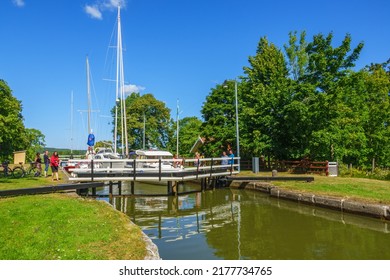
5	171
19	171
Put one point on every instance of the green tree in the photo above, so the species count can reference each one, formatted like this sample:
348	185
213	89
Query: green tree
328	64
297	55
12	130
158	125
219	119
189	131
377	101
267	94
36	142
104	144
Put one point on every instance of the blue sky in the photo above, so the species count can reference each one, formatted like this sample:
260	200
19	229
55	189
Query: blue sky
175	49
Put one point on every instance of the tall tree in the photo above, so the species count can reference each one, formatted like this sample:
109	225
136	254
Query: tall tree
219	119
329	69
377	101
147	110
268	94
12	130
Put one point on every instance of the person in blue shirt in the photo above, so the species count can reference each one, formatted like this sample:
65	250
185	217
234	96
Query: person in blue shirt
231	156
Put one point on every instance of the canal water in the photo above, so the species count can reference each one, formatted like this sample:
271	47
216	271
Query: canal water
231	224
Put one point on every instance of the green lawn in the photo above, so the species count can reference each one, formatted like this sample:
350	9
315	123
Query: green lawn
60	226
30	182
369	190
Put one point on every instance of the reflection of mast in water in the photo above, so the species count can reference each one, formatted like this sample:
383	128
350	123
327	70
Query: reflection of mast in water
236	204
159	226
185	216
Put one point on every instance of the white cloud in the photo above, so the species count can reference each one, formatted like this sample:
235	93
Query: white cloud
113	4
19	3
93	11
96	10
133	88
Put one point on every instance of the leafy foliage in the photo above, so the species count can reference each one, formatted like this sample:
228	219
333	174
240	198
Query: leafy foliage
12	130
158	129
308	102
36	142
13	134
189	131
219	119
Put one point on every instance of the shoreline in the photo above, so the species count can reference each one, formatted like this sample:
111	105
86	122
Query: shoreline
151	248
375	210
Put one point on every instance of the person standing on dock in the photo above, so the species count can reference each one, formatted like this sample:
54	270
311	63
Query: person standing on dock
197	158
46	160
231	156
224	161
54	163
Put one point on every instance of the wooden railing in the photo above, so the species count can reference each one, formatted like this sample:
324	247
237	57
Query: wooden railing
293	166
142	170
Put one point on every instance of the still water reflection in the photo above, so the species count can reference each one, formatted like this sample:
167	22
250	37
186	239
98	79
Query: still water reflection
239	224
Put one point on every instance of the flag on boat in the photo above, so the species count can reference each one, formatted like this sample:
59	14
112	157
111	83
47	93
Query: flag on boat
91	140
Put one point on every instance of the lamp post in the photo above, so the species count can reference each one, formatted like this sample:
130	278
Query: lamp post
237	126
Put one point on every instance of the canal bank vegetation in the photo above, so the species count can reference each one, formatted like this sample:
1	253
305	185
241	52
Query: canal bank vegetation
65	227
359	189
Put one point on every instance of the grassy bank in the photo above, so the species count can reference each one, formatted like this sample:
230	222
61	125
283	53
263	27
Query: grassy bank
368	190
30	182
59	226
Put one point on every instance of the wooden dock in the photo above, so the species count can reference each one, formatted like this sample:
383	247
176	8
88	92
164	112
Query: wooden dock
114	172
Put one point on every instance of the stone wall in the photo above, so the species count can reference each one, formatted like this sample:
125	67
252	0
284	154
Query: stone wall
342	204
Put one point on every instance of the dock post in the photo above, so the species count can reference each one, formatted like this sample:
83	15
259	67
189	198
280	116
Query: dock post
170	189
92	171
211	168
92	175
134	170
120	187
110	187
202	184
132	187
159	169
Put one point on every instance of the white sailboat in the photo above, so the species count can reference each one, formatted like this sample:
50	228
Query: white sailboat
120	95
147	158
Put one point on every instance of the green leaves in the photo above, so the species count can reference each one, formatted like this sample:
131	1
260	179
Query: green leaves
12	130
157	122
308	101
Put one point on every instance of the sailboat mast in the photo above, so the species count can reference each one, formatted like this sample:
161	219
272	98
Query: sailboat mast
71	123
120	93
177	128
144	133
117	87
89	97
